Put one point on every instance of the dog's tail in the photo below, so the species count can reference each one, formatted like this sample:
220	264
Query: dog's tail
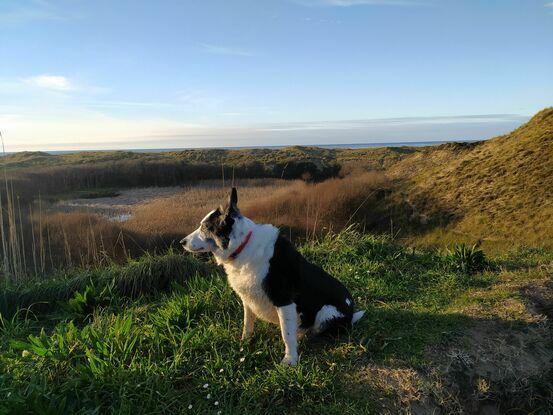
357	316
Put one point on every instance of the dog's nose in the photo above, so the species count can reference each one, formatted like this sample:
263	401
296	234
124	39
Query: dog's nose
183	241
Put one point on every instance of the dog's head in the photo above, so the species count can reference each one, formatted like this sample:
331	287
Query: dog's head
216	232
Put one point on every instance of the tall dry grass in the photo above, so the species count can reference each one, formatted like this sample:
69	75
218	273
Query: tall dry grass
143	172
46	240
306	209
64	239
310	209
181	213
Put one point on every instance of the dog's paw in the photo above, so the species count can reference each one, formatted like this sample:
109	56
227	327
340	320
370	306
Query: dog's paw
246	337
289	360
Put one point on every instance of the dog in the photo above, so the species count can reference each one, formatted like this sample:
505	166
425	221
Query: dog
273	280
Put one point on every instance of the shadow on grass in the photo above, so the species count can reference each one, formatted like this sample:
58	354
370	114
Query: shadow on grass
478	363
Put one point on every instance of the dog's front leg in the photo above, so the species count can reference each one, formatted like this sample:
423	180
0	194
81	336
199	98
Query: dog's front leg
288	319
249	320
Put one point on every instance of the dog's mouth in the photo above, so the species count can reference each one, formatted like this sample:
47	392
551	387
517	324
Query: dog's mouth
188	246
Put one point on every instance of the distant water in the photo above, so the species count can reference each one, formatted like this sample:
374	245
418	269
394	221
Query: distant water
347	145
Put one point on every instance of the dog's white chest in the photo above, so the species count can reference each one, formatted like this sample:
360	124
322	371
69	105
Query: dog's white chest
247	283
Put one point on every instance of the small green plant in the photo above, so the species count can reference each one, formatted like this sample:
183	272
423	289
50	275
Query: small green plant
465	259
83	303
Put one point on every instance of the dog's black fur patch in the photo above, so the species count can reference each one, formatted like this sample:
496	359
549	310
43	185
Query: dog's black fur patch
293	279
218	226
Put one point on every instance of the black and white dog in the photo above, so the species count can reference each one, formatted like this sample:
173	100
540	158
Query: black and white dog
273	280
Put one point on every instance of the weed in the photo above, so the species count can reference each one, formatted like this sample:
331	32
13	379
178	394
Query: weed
83	303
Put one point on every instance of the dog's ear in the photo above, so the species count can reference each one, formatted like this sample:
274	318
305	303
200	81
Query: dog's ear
232	204
233	198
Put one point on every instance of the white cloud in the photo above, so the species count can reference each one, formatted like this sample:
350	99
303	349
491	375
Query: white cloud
385	123
18	12
549	5
224	50
199	98
349	3
52	82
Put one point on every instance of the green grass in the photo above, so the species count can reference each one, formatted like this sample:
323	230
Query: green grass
163	335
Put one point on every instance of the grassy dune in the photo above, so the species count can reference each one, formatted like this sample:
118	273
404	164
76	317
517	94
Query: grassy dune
165	347
499	190
372	158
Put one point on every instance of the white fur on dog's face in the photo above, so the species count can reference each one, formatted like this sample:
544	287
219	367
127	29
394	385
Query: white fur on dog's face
199	241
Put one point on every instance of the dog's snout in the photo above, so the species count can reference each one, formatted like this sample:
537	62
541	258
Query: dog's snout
183	241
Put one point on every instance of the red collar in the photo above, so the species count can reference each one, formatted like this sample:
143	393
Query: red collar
241	247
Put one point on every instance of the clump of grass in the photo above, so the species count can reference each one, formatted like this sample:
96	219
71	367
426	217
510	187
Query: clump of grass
147	275
465	259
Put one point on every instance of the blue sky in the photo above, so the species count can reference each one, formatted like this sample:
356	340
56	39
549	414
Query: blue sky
79	74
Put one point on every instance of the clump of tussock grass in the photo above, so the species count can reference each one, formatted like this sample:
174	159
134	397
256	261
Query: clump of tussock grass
83	303
149	274
467	259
